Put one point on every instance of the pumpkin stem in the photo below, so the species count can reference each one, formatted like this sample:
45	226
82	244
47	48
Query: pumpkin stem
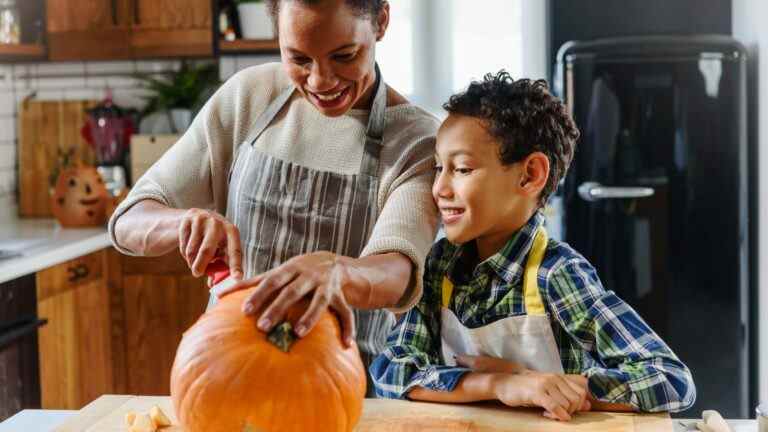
282	336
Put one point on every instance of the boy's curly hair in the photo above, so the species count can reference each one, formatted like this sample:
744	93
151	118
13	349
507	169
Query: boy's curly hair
525	118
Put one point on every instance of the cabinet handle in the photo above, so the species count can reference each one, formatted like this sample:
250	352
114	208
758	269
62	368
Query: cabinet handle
114	13
136	13
78	272
83	271
73	274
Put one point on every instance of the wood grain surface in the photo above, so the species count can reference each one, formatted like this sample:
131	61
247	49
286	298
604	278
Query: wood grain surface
380	415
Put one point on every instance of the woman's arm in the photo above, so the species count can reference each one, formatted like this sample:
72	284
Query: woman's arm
151	228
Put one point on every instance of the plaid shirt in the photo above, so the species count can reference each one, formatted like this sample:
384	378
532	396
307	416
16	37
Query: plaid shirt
597	333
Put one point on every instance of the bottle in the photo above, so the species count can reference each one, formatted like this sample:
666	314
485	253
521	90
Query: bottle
10	22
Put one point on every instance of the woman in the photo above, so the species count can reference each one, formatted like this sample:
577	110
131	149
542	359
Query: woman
322	170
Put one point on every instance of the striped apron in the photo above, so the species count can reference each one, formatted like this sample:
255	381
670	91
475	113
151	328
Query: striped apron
283	210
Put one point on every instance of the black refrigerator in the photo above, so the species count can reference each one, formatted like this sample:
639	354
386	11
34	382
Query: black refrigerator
658	199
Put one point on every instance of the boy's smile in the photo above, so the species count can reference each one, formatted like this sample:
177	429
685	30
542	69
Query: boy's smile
479	198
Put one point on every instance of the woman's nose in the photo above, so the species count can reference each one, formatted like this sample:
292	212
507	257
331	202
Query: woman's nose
321	78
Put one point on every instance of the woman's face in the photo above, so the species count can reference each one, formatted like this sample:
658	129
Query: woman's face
329	53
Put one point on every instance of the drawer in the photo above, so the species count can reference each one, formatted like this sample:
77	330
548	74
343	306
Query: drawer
70	275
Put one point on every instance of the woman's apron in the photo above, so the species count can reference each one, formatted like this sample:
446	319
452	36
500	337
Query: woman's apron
526	339
284	210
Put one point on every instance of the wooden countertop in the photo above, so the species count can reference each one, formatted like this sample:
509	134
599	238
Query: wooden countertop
107	413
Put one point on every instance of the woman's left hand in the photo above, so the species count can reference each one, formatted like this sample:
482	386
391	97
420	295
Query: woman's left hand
321	274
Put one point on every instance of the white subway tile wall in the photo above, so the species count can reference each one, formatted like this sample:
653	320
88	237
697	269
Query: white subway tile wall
56	81
230	65
74	81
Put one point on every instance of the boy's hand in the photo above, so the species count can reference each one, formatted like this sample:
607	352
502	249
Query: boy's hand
489	364
559	395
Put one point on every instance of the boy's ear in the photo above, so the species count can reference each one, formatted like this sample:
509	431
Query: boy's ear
535	173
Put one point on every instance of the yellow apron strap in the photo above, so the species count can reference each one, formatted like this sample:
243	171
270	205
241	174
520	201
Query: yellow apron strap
533	303
447	292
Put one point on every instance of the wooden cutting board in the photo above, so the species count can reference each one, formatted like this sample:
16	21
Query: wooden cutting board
107	414
45	127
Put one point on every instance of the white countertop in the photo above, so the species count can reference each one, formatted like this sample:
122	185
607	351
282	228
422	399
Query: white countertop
44	243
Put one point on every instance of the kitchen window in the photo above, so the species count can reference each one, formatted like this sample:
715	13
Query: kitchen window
434	48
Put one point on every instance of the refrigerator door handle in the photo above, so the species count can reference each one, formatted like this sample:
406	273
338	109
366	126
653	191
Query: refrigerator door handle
593	191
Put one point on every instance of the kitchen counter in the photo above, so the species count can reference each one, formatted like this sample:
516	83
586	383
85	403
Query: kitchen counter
43	243
48	420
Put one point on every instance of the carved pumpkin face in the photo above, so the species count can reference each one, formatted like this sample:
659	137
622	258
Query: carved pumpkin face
80	198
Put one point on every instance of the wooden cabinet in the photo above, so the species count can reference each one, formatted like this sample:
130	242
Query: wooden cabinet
174	28
88	29
114	323
161	300
124	29
75	346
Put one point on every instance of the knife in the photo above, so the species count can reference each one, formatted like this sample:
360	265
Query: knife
219	278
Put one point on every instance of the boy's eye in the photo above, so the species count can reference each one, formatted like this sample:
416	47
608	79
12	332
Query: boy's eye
300	60
438	169
463	171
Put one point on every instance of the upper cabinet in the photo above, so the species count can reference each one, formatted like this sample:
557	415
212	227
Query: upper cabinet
124	29
172	28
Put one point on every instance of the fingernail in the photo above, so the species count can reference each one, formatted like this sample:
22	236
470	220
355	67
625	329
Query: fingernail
264	324
300	330
248	309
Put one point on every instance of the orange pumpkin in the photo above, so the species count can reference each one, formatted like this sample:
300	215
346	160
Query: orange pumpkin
228	376
80	198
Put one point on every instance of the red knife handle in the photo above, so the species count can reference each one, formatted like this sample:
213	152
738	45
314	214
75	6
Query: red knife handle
217	270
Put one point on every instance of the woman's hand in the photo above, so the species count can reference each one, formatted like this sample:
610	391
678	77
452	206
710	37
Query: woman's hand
322	275
204	235
558	394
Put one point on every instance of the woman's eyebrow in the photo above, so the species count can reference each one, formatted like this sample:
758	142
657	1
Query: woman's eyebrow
294	51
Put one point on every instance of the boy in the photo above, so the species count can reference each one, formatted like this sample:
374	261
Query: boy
506	313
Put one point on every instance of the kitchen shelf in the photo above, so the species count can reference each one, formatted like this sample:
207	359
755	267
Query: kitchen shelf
249	46
21	51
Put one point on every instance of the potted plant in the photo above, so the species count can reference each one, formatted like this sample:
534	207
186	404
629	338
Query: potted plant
180	94
255	22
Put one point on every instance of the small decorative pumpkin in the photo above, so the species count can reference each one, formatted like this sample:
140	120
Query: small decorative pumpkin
230	376
80	198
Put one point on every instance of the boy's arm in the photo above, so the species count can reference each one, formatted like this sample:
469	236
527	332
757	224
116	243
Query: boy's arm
632	366
412	358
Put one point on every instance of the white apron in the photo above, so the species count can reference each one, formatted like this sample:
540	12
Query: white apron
526	339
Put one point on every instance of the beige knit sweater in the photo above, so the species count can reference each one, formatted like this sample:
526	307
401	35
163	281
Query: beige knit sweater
193	173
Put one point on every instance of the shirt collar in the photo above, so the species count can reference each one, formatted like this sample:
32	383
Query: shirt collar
508	263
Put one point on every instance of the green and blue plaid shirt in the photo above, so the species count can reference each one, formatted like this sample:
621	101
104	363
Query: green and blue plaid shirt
598	334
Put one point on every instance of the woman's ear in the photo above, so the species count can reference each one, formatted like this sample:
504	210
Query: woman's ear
535	173
382	21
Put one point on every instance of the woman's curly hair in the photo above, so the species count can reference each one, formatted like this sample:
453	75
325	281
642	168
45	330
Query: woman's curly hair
525	118
363	8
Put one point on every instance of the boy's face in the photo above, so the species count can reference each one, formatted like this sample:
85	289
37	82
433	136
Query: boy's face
478	197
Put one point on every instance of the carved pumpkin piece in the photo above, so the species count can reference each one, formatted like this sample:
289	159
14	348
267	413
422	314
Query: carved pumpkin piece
80	198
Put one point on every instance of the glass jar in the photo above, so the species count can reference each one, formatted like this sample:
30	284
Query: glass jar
10	22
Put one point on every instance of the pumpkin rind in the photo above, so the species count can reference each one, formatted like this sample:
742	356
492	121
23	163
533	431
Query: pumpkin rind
227	376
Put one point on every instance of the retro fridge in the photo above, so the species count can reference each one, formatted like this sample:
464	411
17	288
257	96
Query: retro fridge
657	197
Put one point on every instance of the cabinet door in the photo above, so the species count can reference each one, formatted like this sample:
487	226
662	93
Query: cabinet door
88	29
172	28
75	346
161	301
